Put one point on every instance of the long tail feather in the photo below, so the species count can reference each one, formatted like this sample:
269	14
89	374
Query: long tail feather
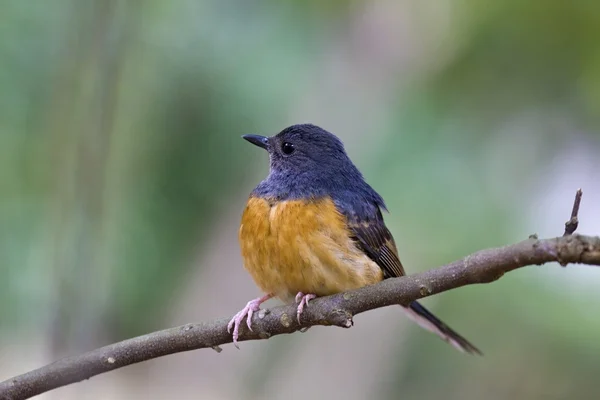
428	321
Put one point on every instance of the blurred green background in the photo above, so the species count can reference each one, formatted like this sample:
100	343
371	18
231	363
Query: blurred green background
123	177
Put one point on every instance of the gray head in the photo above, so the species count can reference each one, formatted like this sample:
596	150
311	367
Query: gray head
307	161
302	148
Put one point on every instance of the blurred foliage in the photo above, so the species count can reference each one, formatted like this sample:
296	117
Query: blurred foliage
120	153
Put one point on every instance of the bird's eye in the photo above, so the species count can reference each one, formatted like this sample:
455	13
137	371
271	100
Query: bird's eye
287	148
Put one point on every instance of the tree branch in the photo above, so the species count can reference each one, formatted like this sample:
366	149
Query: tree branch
484	266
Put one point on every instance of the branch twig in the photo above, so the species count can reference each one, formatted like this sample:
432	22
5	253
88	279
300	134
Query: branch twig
571	224
484	266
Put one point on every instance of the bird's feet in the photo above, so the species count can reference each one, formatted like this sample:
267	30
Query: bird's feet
302	300
246	312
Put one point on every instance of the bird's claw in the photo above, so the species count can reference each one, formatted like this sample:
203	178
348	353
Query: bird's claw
247	313
302	300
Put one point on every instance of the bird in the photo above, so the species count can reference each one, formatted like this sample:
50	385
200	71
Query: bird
314	227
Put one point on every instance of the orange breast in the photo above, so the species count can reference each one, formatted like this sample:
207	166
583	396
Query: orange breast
302	246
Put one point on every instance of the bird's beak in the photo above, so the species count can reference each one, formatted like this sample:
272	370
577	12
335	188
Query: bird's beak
257	140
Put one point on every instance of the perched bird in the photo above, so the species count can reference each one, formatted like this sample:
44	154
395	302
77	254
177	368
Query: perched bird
314	227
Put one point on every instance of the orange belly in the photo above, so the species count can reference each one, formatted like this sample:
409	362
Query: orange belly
302	246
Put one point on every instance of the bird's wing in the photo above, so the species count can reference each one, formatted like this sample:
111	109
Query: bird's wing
373	237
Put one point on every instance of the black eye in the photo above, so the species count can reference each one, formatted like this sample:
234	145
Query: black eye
287	148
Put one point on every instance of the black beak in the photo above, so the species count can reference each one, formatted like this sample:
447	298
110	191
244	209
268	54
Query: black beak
257	140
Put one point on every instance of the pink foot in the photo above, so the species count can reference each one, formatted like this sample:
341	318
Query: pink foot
251	307
302	300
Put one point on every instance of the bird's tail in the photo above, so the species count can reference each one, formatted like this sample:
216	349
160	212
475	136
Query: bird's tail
428	321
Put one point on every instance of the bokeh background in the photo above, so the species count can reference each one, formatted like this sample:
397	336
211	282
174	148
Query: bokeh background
123	177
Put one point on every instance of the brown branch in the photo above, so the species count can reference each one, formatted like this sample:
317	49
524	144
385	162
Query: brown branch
484	266
571	224
481	267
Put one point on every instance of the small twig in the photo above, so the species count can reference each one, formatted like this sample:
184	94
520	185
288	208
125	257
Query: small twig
571	224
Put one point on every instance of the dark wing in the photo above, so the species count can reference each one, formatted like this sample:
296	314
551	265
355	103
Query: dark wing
373	237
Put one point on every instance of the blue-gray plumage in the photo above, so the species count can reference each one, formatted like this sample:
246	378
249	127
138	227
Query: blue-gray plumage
319	167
